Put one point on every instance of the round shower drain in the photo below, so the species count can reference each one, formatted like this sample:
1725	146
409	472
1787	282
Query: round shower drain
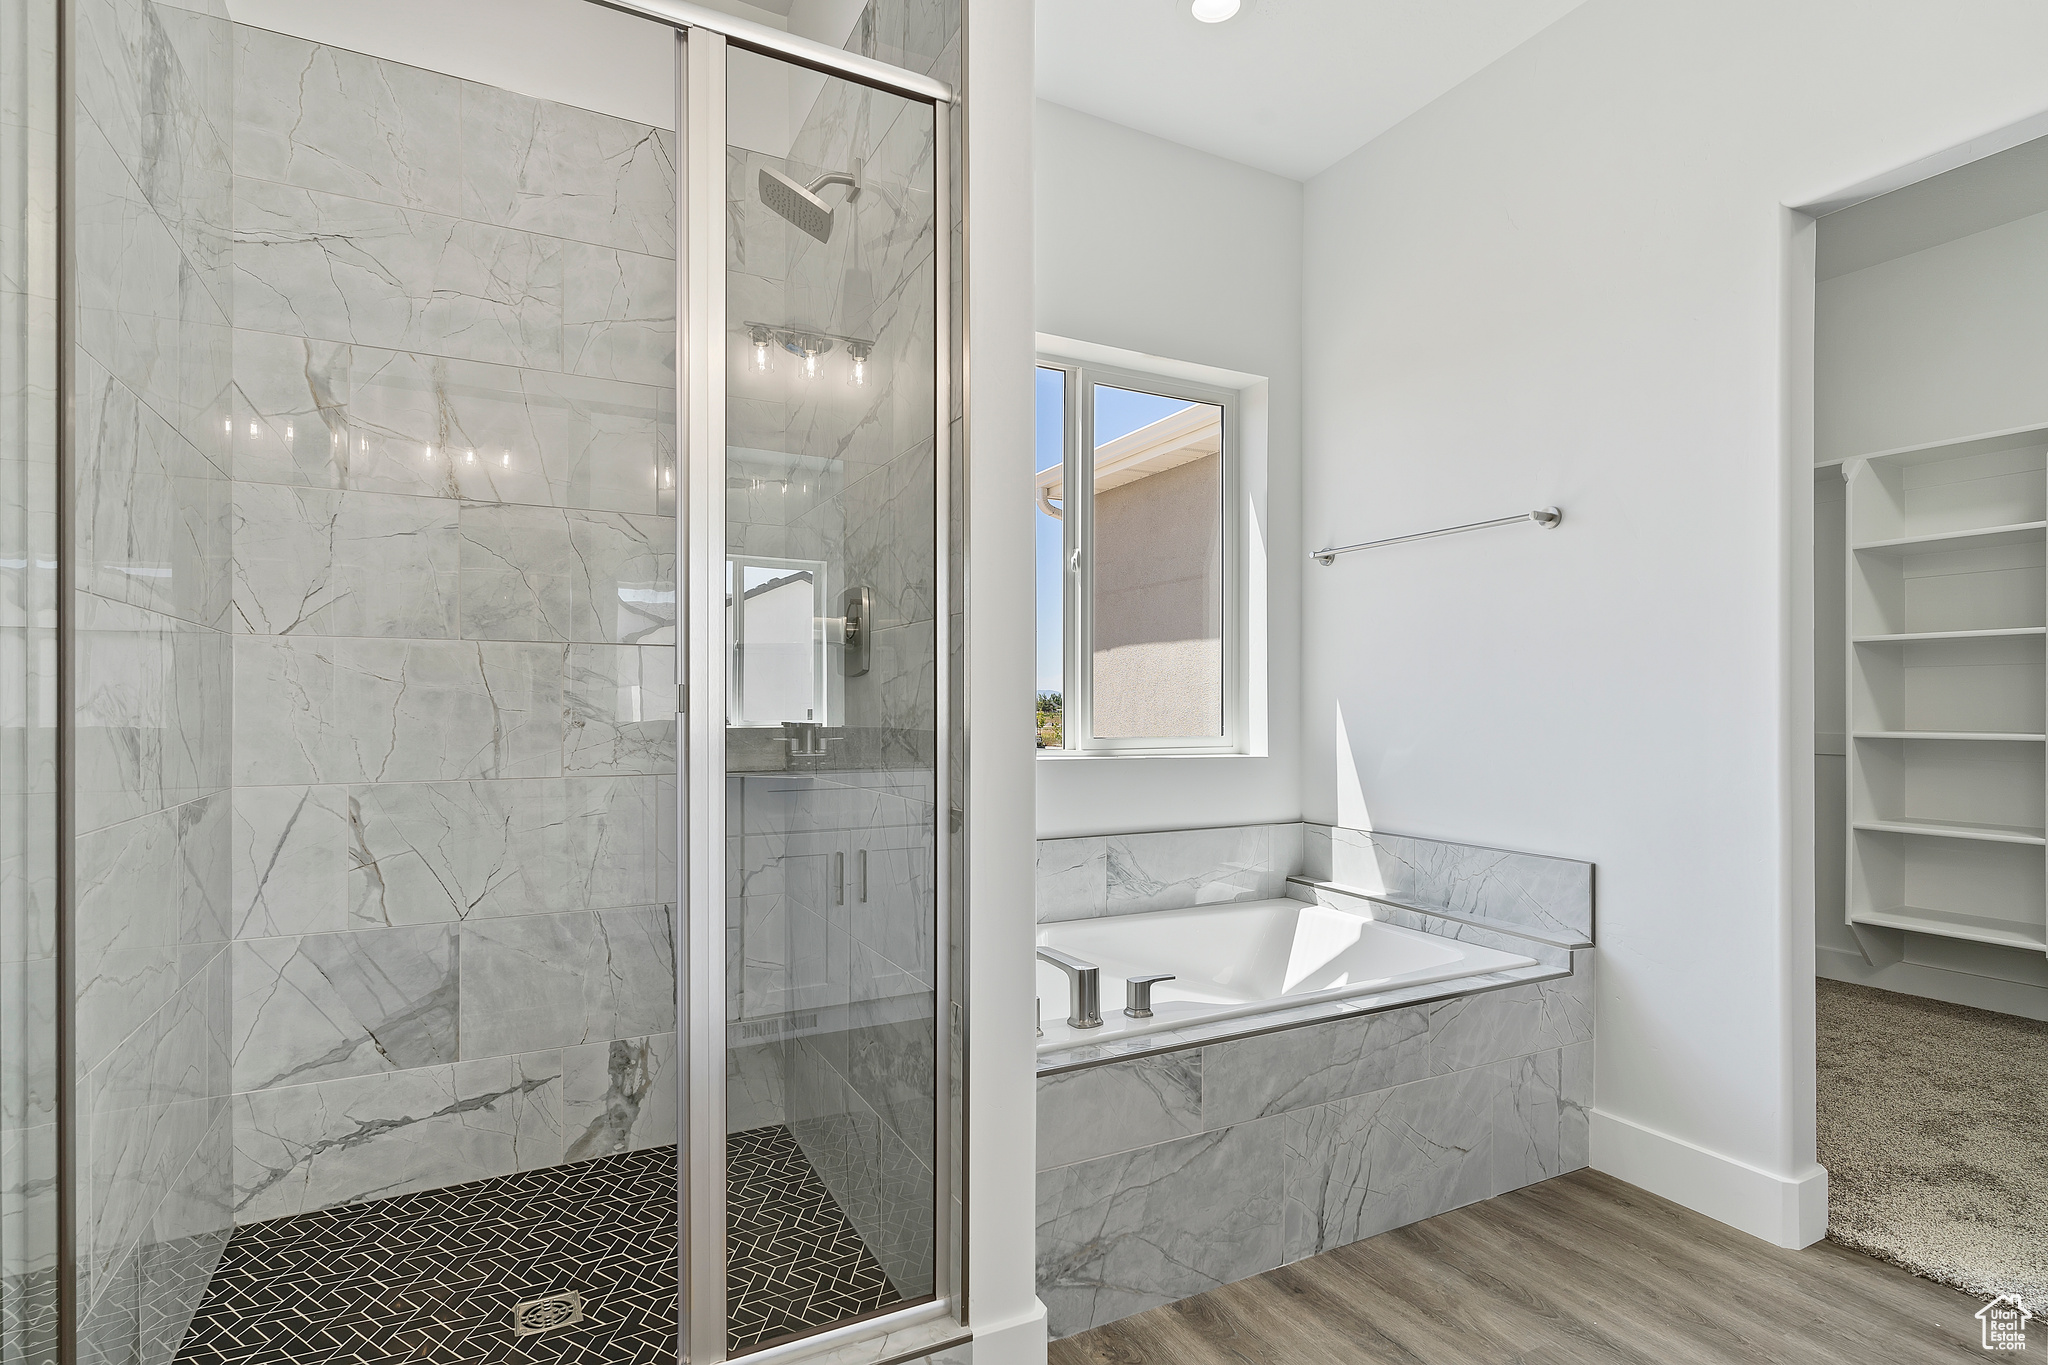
546	1313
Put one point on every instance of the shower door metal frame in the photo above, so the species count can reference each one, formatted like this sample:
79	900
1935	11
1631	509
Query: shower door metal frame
704	42
700	700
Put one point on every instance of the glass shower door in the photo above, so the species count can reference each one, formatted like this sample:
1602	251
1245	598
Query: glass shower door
28	683
818	603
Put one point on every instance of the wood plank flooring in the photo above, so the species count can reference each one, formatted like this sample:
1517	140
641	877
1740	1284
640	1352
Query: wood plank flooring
1581	1270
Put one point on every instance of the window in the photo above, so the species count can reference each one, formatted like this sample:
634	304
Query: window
1136	563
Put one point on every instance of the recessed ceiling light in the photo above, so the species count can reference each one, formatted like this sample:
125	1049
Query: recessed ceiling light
1215	11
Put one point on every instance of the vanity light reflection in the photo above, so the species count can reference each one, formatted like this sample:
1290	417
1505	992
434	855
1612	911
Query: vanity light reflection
810	349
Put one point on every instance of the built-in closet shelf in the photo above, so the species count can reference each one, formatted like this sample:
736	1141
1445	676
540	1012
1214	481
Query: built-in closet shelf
1946	652
1957	829
1976	928
1980	538
1916	637
1950	734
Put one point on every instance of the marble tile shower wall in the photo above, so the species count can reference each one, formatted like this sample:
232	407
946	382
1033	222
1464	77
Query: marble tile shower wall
845	477
453	609
918	35
823	471
150	167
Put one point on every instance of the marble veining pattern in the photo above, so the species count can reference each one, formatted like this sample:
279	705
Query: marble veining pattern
1100	1110
149	174
333	415
619	1096
313	1146
312	561
1546	896
533	573
539	981
1125	874
1362	1166
453	600
330	1005
1275	1073
1488	1026
1128	1232
321	266
324	118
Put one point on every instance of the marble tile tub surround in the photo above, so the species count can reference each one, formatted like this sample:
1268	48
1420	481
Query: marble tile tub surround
1127	874
1166	1175
1530	894
452	605
150	171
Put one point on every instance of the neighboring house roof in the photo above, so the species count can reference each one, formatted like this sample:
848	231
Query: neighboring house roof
1176	439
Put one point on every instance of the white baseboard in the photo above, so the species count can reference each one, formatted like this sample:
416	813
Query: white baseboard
1019	1341
1783	1210
1935	983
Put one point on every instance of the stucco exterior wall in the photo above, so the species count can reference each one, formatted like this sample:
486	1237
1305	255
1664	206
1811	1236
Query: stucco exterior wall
1158	604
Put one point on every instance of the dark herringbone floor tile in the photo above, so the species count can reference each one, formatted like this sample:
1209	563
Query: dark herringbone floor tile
431	1278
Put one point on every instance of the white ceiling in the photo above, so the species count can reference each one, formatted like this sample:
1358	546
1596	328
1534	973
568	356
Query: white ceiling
1974	197
1289	86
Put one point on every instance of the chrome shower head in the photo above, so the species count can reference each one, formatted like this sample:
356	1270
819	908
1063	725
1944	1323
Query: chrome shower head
801	205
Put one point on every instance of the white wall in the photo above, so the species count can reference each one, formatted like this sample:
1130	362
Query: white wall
1574	279
1942	343
1155	248
1002	1095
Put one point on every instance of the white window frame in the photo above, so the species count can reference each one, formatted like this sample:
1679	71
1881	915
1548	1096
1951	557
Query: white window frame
1077	538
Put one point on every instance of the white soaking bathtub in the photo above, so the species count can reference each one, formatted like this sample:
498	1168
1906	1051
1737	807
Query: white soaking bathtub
1243	959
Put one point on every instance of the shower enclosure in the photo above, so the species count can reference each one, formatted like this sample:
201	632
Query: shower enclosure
476	557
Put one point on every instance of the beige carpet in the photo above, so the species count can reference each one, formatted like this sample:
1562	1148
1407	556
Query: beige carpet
1934	1130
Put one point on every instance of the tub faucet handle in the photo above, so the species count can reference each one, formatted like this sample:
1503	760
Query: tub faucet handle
1084	985
1138	994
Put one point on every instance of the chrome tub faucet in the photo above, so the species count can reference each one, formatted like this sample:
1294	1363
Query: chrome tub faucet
1084	987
